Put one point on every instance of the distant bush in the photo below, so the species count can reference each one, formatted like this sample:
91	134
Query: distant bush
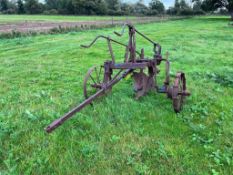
199	12
171	11
115	13
186	12
9	11
223	11
152	12
50	12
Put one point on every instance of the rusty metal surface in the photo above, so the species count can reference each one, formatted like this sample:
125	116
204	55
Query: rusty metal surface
143	70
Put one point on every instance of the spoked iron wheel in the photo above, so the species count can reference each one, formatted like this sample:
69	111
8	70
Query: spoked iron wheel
93	81
179	92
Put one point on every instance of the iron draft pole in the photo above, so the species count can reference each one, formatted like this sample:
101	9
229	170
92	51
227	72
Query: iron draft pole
88	101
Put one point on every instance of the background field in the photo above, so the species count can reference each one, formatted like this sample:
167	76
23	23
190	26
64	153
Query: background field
56	18
41	78
12	24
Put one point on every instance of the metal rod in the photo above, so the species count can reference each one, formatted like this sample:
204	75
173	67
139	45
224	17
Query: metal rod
88	101
61	120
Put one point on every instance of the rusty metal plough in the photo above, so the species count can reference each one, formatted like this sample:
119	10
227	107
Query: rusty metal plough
100	80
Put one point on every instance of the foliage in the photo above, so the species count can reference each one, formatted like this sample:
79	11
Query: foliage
210	5
33	7
157	6
20	7
4	5
102	7
140	8
180	8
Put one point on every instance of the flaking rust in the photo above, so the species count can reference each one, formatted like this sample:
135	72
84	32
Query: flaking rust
100	79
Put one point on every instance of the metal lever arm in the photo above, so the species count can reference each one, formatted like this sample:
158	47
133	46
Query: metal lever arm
122	30
108	39
101	36
157	47
93	42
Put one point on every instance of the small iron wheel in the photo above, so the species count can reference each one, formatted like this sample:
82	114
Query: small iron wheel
93	81
179	92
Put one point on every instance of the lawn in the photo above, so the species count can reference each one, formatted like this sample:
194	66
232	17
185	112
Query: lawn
56	18
41	78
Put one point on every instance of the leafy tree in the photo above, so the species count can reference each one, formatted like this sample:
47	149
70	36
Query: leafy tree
157	5
183	4
197	5
4	5
52	4
33	6
171	11
113	7
177	5
209	5
20	7
140	8
89	7
127	9
197	8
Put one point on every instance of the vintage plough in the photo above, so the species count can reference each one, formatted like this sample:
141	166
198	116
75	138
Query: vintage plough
100	80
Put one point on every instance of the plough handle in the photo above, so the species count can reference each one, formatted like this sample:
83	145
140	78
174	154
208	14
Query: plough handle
157	47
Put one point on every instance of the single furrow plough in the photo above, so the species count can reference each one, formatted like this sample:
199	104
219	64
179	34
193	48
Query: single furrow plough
100	79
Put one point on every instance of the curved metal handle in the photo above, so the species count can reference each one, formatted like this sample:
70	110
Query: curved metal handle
122	30
107	38
93	42
157	48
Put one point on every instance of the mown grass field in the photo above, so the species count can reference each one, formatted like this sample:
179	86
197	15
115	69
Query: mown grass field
41	78
56	18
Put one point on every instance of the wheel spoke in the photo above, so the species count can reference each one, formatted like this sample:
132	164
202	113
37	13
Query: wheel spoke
97	76
100	71
93	79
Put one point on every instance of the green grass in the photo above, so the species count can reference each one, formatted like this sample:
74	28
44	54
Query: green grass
55	18
41	78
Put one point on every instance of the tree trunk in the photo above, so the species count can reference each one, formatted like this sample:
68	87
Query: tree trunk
231	15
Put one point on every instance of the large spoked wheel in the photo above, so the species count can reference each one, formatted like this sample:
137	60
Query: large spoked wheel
179	92
93	81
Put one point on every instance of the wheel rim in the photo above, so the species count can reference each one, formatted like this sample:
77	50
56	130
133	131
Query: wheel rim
178	92
93	81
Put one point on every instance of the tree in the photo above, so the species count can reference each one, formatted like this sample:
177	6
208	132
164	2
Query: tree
4	5
127	9
209	5
89	7
20	7
33	6
52	4
140	8
229	7
113	7
177	7
197	5
197	8
183	4
157	5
